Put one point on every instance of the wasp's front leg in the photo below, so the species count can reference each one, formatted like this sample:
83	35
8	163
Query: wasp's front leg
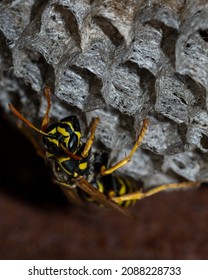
45	120
90	140
104	171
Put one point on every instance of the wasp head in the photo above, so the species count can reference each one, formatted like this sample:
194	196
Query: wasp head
63	135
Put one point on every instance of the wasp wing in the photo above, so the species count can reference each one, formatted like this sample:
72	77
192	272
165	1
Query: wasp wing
70	192
72	195
84	185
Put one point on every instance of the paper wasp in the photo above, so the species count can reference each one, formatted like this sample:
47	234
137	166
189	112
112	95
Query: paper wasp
82	174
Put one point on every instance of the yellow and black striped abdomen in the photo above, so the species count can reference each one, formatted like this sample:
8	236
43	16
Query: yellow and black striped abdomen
112	186
120	186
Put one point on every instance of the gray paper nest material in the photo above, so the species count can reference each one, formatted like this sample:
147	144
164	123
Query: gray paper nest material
121	61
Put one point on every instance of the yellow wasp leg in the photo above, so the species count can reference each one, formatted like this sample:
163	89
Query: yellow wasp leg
141	194
124	161
45	120
90	140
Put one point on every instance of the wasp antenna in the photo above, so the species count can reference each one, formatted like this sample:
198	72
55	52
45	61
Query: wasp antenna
45	120
74	156
23	119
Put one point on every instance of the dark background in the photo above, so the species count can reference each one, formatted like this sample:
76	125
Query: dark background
36	222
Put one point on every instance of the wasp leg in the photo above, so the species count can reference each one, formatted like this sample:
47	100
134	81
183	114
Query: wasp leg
90	140
104	171
141	194
45	120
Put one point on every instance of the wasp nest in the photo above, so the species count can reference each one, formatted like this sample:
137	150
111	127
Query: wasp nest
122	61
